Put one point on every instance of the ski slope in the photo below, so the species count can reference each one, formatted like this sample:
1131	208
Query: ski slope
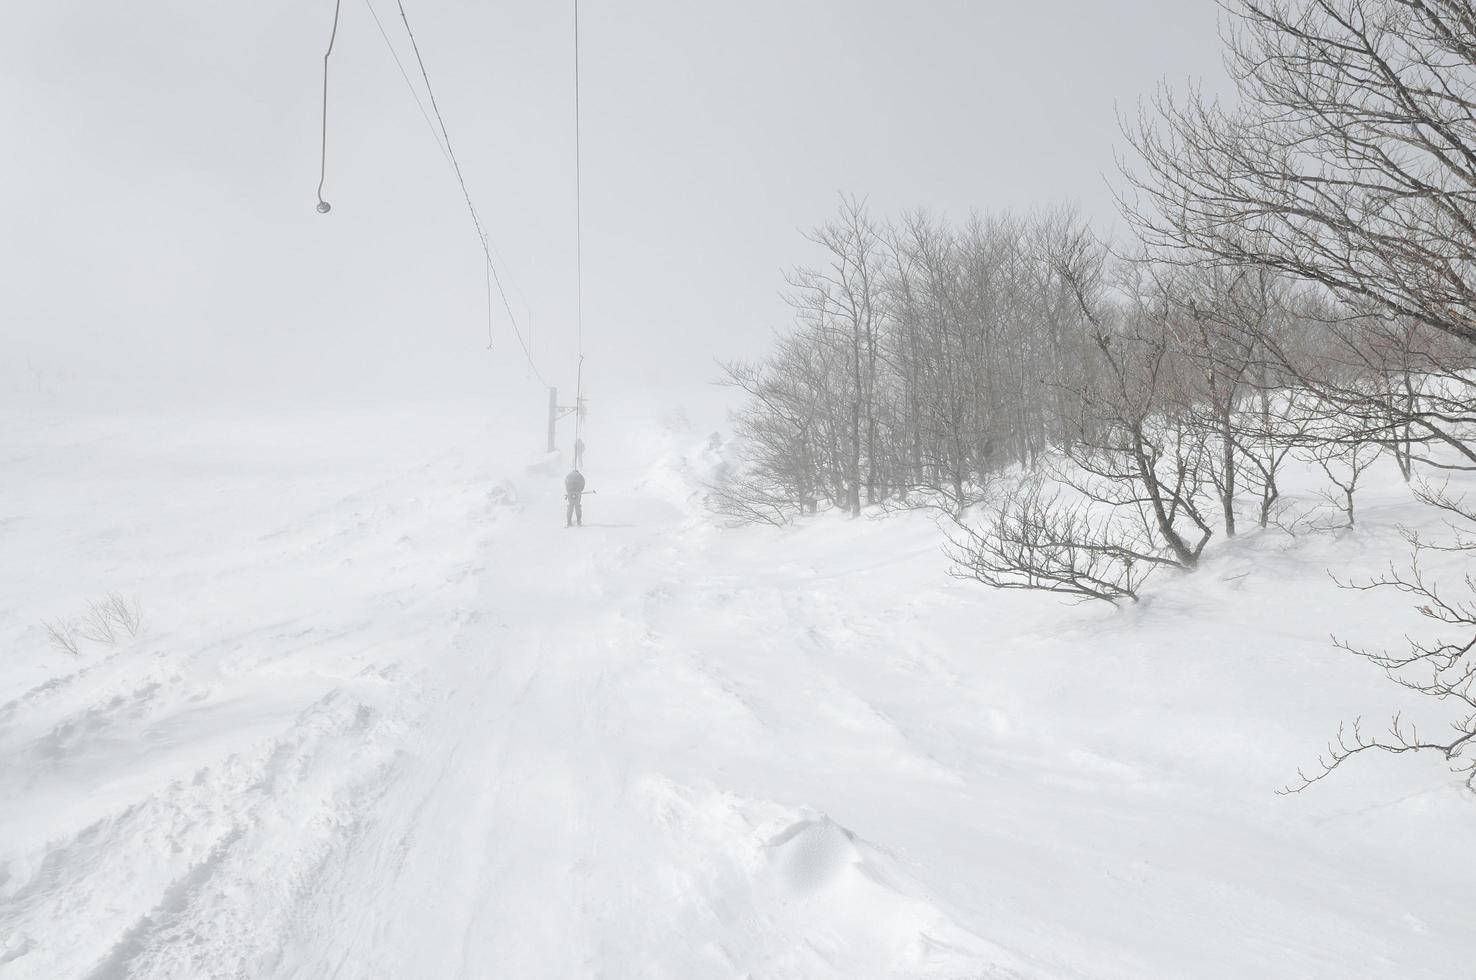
388	718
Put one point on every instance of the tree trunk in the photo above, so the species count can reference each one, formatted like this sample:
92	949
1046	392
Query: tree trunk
855	474
1183	554
1227	489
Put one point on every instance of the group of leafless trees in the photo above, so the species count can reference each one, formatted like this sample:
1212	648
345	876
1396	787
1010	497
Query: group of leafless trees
915	371
1348	166
1300	285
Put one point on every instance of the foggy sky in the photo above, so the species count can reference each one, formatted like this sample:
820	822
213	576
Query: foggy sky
160	163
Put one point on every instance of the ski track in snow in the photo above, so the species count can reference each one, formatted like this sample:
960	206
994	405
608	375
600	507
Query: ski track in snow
416	729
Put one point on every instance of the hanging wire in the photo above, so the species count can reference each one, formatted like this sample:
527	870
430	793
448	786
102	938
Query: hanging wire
414	94
497	256
323	206
578	200
578	247
460	179
489	310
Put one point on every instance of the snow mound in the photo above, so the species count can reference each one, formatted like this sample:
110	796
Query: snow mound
504	494
790	893
856	914
684	471
812	854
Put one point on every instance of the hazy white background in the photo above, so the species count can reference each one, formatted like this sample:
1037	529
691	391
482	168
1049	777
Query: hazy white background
160	160
368	638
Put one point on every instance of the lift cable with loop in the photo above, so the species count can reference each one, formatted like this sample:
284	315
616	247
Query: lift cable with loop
323	206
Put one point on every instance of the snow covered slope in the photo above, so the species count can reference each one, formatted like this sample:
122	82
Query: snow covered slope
388	718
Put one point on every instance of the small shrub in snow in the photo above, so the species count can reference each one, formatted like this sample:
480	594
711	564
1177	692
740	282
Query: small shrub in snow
123	612
1033	539
1344	465
106	621
97	625
64	634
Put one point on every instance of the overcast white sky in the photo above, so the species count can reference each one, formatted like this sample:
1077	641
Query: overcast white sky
161	158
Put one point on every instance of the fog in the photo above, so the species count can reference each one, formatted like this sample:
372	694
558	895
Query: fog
161	244
1011	613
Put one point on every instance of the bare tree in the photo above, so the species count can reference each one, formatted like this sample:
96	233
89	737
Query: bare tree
1442	668
65	635
1035	539
842	303
97	624
1344	465
1136	445
123	611
785	468
1348	164
1349	160
1267	435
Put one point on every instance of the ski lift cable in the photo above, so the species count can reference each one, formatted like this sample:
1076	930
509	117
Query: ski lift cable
323	206
578	245
440	144
414	93
487	270
578	199
465	193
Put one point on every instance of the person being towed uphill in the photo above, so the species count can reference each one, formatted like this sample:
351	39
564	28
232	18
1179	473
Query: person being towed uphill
573	490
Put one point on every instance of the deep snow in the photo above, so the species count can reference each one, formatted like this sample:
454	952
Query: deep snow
388	718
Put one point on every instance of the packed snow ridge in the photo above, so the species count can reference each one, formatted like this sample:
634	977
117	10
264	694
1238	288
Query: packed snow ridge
386	717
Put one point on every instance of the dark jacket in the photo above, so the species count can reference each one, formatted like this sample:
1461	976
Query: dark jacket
574	483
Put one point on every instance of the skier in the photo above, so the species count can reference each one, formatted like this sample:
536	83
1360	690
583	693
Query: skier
573	488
